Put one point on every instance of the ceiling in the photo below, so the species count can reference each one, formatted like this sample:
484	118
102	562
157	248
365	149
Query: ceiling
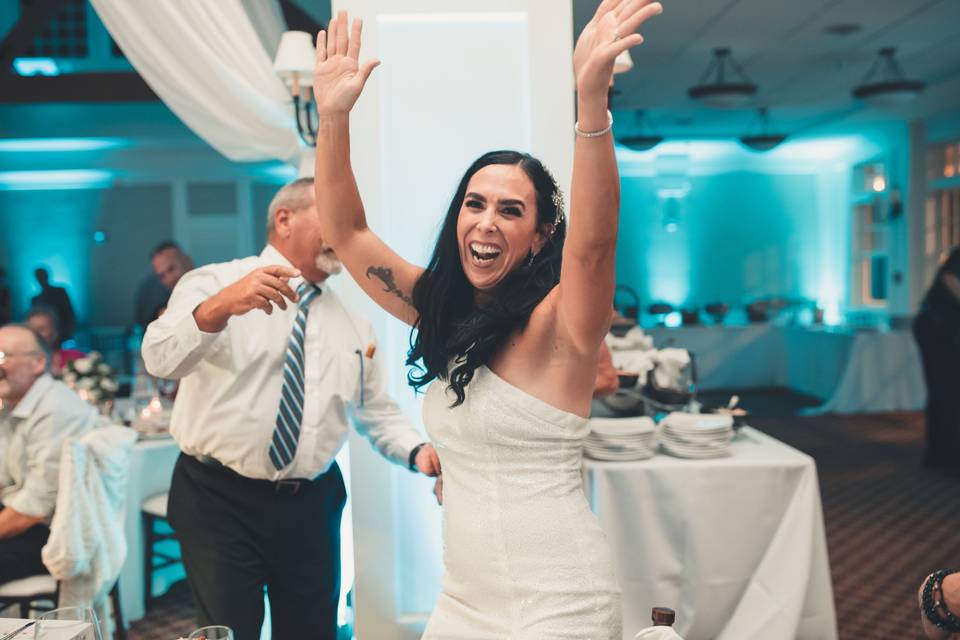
805	75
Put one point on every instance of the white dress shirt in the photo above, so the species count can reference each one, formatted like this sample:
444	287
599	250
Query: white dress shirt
31	439
229	395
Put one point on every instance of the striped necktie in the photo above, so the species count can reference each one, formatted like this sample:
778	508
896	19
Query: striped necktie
283	445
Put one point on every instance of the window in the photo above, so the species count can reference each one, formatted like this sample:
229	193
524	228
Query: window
870	252
943	160
65	36
941	216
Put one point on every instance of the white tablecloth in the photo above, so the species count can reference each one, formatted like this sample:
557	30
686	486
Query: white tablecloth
52	629
852	371
151	468
736	546
883	373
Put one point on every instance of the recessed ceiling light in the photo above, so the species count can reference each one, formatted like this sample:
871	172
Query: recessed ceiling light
842	28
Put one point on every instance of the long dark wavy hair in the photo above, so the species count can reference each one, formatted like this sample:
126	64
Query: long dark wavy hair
452	330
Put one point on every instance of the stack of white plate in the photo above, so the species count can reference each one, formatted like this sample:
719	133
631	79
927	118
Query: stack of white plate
696	435
620	439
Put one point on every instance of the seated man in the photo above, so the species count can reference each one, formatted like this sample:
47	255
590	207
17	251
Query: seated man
38	414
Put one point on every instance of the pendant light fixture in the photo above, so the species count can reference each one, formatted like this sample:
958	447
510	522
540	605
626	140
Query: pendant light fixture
763	141
715	90
640	141
885	84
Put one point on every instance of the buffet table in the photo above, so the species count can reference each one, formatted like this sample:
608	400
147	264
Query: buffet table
735	545
151	468
851	371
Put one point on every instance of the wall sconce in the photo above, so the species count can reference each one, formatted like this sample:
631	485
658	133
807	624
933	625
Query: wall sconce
294	64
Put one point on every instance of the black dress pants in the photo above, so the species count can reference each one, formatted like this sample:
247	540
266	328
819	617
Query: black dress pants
20	554
238	536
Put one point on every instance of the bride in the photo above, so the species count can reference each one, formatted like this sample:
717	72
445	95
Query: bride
507	320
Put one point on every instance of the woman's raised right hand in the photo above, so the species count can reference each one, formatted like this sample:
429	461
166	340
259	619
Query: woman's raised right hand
338	77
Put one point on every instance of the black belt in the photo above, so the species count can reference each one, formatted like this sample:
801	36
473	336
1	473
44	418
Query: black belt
290	486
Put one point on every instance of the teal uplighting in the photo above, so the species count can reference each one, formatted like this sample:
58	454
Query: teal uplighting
42	145
36	66
57	179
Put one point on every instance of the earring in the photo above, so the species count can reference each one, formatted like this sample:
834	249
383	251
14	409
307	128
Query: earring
529	261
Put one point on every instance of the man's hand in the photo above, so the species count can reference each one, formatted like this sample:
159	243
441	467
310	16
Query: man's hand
260	289
427	461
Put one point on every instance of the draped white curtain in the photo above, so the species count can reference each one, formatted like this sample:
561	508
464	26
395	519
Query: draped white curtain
211	62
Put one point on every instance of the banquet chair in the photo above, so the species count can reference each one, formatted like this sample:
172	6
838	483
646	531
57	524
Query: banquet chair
154	511
40	593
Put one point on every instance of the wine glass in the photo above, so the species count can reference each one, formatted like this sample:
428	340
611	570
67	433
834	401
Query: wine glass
215	632
79	623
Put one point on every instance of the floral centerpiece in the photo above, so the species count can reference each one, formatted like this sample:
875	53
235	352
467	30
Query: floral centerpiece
93	379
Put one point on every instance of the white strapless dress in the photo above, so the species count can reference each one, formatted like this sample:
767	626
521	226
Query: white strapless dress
525	557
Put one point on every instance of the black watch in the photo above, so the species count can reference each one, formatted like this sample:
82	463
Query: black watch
412	460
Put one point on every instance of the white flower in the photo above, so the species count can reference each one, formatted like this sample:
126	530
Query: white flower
109	384
70	379
95	356
94	395
85	383
104	369
83	365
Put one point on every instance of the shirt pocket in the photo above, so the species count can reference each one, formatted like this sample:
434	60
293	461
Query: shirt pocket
349	369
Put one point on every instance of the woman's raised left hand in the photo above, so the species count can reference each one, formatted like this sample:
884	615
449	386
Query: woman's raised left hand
611	31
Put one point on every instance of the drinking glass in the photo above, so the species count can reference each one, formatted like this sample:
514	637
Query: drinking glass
73	623
215	632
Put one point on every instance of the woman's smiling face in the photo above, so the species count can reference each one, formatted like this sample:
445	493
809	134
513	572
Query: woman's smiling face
497	226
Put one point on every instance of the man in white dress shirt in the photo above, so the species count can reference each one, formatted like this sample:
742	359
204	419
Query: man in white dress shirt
38	414
270	363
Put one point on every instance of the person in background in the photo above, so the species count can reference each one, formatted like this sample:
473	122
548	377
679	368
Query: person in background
57	299
44	321
937	331
169	263
38	414
270	364
6	299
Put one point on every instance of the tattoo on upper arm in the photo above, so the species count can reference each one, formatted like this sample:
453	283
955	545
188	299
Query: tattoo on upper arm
385	275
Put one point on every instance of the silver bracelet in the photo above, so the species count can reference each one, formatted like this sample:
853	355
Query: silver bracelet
594	134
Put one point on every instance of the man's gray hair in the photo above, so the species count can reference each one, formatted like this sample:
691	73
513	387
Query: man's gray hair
42	347
293	196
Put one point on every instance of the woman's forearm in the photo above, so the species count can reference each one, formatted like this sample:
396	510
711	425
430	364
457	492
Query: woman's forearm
338	199
595	189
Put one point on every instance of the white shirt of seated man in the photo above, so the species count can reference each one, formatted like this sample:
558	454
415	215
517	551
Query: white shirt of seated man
38	414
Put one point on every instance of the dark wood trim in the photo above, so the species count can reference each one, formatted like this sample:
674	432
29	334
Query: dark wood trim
77	87
298	19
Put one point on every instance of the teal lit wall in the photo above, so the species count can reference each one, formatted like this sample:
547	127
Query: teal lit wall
707	221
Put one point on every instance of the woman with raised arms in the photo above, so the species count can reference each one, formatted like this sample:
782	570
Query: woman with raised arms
507	321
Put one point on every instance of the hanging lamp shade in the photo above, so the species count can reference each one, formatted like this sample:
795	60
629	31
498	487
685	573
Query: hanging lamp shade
885	84
764	140
640	140
716	90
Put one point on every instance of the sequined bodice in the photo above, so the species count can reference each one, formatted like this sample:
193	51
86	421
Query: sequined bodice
524	555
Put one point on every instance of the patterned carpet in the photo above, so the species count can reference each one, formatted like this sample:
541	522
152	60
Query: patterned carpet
889	521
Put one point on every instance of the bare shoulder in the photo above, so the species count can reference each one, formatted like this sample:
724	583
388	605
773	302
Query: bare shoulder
541	362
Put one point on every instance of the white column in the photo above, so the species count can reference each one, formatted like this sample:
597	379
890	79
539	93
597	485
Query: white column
458	78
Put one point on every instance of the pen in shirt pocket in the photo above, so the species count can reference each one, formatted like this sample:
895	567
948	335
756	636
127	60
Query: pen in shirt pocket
371	349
